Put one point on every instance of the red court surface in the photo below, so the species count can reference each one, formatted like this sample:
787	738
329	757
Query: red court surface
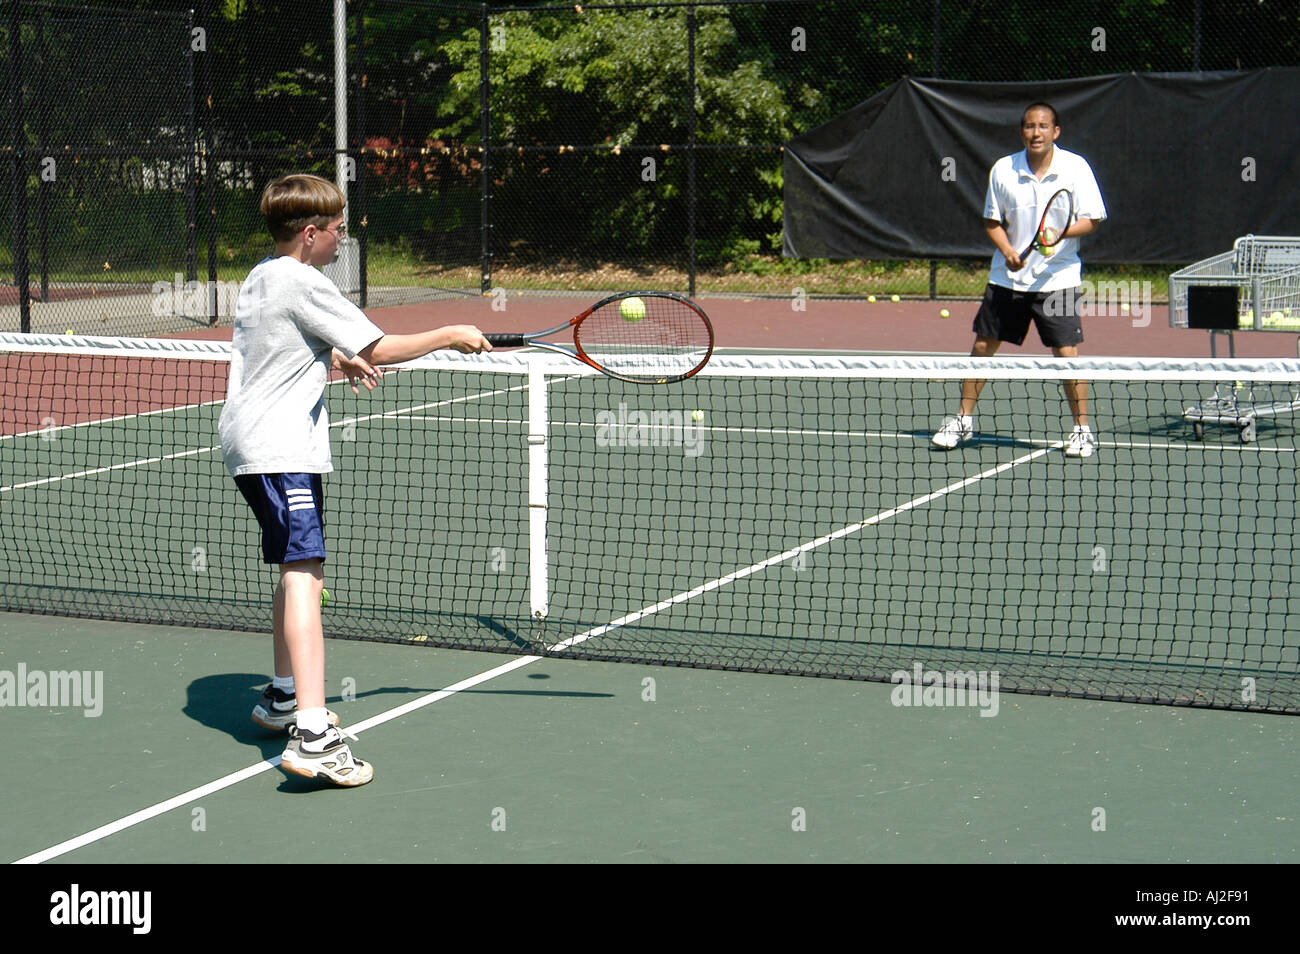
840	325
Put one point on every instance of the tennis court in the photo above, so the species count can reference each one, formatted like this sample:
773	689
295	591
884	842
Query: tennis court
799	523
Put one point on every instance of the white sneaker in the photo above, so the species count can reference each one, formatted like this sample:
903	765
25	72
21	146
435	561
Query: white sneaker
324	756
954	431
1081	443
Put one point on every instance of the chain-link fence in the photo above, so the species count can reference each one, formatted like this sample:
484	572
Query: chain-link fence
528	147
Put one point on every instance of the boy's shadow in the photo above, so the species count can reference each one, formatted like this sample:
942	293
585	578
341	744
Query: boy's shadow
225	701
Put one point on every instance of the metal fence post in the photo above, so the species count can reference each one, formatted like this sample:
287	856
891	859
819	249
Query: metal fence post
209	163
485	133
934	71
22	272
690	146
1196	35
43	196
360	99
191	142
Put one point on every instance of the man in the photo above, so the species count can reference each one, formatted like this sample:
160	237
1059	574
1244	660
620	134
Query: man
1044	288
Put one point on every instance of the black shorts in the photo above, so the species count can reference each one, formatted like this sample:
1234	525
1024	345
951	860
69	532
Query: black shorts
1005	314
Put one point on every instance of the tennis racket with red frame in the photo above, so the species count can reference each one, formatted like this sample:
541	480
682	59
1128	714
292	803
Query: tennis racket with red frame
1051	227
644	337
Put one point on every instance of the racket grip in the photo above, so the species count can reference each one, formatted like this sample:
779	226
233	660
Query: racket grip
507	341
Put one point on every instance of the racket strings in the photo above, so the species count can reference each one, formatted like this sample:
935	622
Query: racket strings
1056	219
670	340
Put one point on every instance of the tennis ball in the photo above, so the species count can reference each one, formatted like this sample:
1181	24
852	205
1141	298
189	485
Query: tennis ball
70	331
697	415
871	298
632	309
1124	307
943	313
324	597
894	298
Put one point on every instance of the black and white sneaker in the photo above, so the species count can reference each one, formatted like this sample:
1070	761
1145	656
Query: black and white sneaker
324	756
277	710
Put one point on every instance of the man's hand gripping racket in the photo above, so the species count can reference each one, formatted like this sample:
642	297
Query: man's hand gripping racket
643	337
1057	218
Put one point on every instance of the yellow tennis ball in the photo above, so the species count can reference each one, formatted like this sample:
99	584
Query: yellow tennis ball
697	415
943	313
632	309
70	331
894	298
871	298
324	597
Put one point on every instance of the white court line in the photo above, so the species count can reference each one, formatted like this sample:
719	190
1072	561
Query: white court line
103	470
805	547
144	461
404	414
113	828
991	441
44	431
153	811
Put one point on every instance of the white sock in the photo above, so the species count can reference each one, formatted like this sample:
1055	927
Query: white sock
283	683
314	721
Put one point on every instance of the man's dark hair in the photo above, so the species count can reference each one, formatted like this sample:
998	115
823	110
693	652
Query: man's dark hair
1047	106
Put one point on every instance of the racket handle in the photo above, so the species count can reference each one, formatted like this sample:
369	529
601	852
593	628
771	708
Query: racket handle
507	341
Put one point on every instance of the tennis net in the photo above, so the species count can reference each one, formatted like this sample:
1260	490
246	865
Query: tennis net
776	513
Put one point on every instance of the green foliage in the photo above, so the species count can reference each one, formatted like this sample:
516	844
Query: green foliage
619	82
623	76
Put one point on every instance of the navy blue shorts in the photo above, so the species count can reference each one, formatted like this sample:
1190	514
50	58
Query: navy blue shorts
1005	315
291	511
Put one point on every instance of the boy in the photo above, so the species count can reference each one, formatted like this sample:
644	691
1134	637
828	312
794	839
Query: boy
292	325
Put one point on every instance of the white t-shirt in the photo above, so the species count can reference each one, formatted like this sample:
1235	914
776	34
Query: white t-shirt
288	319
1017	198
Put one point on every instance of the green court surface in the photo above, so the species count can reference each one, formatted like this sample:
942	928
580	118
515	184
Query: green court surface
804	525
561	761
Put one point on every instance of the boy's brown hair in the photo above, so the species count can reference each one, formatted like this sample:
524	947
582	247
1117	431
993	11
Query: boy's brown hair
293	202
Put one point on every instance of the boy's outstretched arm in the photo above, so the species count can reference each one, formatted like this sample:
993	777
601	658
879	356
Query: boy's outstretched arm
394	349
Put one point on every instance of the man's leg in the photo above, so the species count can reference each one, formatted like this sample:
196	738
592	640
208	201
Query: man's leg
970	389
1076	392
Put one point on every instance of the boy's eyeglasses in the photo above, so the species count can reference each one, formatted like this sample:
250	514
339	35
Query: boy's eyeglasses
340	232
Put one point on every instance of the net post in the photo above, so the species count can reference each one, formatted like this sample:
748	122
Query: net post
539	596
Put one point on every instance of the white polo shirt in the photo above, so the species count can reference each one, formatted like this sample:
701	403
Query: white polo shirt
1017	199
